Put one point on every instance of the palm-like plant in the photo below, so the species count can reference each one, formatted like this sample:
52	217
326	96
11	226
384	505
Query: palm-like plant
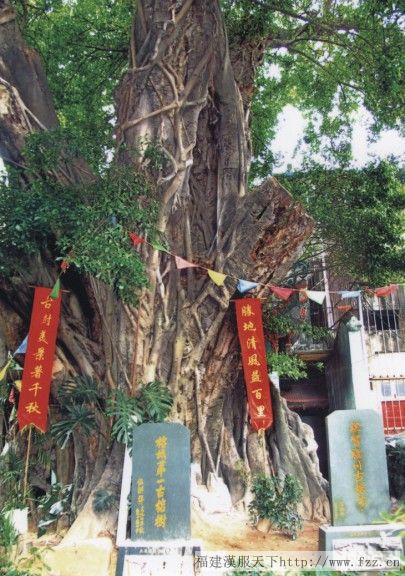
78	418
126	412
83	400
155	401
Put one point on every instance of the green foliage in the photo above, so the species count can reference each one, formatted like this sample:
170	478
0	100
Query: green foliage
279	324
395	517
8	539
152	404
80	390
11	474
78	418
317	333
286	365
360	217
89	222
84	46
277	501
325	61
243	472
53	505
126	412
84	405
155	401
8	534
103	501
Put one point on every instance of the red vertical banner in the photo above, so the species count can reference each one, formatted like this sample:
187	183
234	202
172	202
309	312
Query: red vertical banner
251	338
37	375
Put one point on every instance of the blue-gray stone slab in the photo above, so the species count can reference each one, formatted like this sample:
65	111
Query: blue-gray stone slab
357	467
328	535
160	493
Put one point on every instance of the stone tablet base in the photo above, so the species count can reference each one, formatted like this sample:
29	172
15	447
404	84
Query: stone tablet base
330	534
149	558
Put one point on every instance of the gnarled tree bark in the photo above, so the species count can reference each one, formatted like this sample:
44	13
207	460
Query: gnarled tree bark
181	94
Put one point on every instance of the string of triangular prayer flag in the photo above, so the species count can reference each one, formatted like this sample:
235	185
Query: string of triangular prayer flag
244	286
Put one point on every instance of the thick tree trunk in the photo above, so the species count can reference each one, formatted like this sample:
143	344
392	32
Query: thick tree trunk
180	95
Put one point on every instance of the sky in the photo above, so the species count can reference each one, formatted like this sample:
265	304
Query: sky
291	124
291	129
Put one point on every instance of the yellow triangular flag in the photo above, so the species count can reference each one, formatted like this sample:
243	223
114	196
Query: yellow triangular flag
4	370
217	277
17	384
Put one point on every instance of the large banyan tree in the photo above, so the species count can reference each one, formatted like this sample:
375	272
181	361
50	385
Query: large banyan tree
197	87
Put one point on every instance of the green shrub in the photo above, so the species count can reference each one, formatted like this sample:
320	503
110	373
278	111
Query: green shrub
287	365
84	404
277	501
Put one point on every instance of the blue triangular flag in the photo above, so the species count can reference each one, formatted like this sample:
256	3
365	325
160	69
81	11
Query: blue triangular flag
22	347
350	293
245	285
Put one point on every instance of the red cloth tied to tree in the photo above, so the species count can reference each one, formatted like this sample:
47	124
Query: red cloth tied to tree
251	338
37	374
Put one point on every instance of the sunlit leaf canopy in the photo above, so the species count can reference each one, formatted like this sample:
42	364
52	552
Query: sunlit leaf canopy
324	57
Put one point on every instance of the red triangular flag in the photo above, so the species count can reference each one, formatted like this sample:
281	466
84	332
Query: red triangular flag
283	293
136	239
64	265
181	263
386	290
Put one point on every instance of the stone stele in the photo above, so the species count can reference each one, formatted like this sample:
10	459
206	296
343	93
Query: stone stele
160	482
357	467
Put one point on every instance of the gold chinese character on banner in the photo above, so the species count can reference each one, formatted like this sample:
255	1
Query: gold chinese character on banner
47	319
251	343
47	303
38	371
39	355
247	311
253	361
255	377
35	388
42	337
32	408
